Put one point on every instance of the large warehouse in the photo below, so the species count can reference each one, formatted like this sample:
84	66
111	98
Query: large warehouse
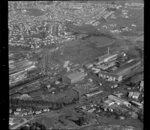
75	77
122	72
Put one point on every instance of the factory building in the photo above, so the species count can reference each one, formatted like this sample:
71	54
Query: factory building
119	101
75	77
107	58
18	70
21	65
17	77
110	60
110	76
105	66
122	72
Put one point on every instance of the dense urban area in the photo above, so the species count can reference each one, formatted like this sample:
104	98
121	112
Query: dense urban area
76	65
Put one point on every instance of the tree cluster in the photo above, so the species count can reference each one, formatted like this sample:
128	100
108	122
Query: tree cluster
33	126
61	100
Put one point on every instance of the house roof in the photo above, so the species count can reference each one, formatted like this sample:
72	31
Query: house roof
137	94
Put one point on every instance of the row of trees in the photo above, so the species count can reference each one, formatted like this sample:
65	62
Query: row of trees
34	104
61	101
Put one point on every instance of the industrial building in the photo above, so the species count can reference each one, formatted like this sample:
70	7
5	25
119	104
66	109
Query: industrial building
17	77
122	72
119	101
107	58
75	77
107	62
18	70
105	66
21	65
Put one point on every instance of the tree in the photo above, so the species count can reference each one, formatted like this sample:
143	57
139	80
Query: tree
34	126
24	128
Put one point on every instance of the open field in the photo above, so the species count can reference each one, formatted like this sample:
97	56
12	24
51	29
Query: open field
84	51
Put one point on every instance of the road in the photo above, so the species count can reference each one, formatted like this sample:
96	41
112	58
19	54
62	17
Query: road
21	124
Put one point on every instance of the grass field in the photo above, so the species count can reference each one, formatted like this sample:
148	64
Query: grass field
84	51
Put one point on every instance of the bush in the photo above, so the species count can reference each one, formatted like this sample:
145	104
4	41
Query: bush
34	126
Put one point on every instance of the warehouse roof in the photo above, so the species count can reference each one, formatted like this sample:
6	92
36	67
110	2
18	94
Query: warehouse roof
76	75
101	58
124	68
21	65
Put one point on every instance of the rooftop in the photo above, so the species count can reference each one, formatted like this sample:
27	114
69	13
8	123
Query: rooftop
76	75
21	65
101	58
126	66
135	94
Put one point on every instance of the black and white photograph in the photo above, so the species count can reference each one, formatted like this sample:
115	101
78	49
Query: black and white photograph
76	65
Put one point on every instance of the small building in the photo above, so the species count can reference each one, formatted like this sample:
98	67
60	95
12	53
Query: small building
119	94
134	95
11	121
75	77
119	101
25	114
38	112
16	113
89	65
46	110
109	105
25	96
93	94
18	109
109	102
84	107
114	86
135	103
10	111
95	70
91	110
141	85
30	112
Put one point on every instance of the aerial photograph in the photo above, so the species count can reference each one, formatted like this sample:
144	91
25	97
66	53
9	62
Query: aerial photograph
76	65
